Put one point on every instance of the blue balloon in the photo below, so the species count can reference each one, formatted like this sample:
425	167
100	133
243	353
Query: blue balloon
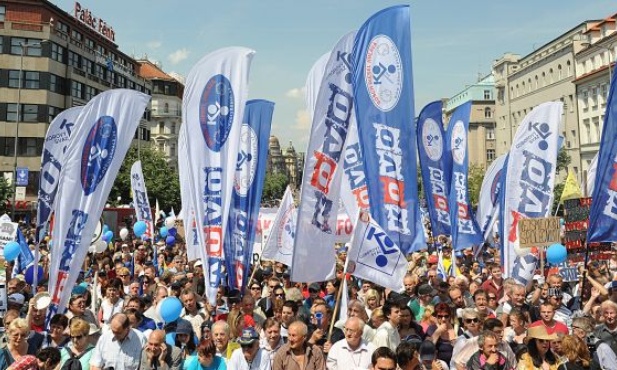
170	309
172	231
110	235
139	228
556	254
170	240
170	338
29	275
11	251
105	229
163	231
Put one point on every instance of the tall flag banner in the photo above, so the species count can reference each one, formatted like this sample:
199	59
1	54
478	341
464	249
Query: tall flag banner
140	200
435	166
101	137
488	200
374	256
213	106
25	257
441	269
313	82
384	110
354	191
187	213
527	191
280	243
465	230
603	213
591	174
321	184
571	189
248	185
52	160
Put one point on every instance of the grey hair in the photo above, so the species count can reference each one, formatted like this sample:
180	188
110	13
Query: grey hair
223	325
486	334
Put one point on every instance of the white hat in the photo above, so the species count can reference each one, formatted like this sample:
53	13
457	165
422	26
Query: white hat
198	263
17	298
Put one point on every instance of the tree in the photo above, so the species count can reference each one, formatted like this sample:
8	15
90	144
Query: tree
475	177
6	194
162	182
274	187
563	161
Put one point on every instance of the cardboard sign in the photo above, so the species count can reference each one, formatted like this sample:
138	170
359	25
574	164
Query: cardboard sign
538	232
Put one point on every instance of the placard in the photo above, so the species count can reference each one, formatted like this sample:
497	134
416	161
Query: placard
538	232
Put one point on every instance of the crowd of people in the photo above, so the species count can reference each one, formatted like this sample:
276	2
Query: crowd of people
471	318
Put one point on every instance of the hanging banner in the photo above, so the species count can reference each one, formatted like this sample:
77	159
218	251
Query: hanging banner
52	160
140	200
248	186
529	181
435	166
280	243
489	192
385	114
465	230
213	108
101	137
321	184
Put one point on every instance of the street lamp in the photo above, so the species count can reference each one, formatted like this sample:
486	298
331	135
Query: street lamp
24	46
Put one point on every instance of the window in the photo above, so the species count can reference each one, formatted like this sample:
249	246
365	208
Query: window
7	146
87	65
568	68
559	72
11	112
172	150
32	80
161	127
55	84
32	46
2	13
52	112
167	91
14	78
89	44
76	35
74	59
29	112
173	127
490	155
605	92
62	27
30	146
77	89
166	108
57	52
90	92
587	131
490	133
488	112
536	81
99	71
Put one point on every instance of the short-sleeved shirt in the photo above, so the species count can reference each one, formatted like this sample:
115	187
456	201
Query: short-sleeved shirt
124	355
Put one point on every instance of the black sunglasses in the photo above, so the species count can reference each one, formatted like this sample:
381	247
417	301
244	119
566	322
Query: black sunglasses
77	337
469	321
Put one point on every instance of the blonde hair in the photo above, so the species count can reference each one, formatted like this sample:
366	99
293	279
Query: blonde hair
428	313
574	348
233	320
372	293
79	327
18	324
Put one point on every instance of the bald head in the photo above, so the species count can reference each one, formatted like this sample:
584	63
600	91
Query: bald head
157	337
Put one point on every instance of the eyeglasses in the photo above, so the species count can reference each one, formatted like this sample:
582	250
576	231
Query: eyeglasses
127	275
349	330
492	297
76	337
443	316
542	340
474	320
255	288
281	295
272	286
19	335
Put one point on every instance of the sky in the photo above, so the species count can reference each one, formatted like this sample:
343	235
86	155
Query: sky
453	41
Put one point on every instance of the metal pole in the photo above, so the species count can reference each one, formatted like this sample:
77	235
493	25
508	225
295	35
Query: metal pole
18	118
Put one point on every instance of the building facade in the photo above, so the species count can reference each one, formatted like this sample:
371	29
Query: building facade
287	162
166	112
481	137
51	60
594	64
546	74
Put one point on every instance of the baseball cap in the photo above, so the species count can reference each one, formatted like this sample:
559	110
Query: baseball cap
432	259
17	298
184	327
427	351
198	263
314	287
426	289
248	337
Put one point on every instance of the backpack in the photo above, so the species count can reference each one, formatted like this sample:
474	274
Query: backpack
73	362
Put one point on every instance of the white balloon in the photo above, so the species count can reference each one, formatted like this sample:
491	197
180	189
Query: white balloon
124	233
92	248
170	222
521	251
100	246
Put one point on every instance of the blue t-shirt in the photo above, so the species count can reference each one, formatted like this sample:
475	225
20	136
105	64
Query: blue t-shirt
192	363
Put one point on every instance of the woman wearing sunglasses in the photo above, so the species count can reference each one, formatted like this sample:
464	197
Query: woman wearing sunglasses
443	333
78	348
539	355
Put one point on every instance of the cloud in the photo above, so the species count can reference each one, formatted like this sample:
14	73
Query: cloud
303	120
178	56
154	44
296	93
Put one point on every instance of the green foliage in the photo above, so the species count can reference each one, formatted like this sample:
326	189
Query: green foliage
162	182
563	161
474	183
6	193
274	188
557	195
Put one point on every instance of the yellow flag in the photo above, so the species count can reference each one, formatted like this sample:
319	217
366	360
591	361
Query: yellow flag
571	190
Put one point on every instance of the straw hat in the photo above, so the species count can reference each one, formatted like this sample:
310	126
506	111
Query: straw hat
539	332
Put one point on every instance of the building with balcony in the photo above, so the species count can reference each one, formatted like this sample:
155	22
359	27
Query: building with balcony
481	137
288	162
62	60
166	112
594	64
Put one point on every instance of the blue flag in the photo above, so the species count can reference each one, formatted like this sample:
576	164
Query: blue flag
383	87
25	257
248	185
435	165
603	213
465	230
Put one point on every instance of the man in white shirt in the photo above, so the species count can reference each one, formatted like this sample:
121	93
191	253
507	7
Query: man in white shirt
119	347
387	333
353	352
249	356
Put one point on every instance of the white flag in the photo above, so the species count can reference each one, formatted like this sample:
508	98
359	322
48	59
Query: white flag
313	82
374	256
591	175
321	184
489	193
187	213
140	199
213	110
102	136
280	243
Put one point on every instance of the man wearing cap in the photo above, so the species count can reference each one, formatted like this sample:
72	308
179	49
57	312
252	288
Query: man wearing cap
428	356
424	298
249	355
353	350
387	333
16	301
314	291
547	319
158	355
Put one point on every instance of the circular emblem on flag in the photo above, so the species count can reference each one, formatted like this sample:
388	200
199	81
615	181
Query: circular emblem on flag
287	232
247	161
216	111
383	73
432	141
98	153
458	142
